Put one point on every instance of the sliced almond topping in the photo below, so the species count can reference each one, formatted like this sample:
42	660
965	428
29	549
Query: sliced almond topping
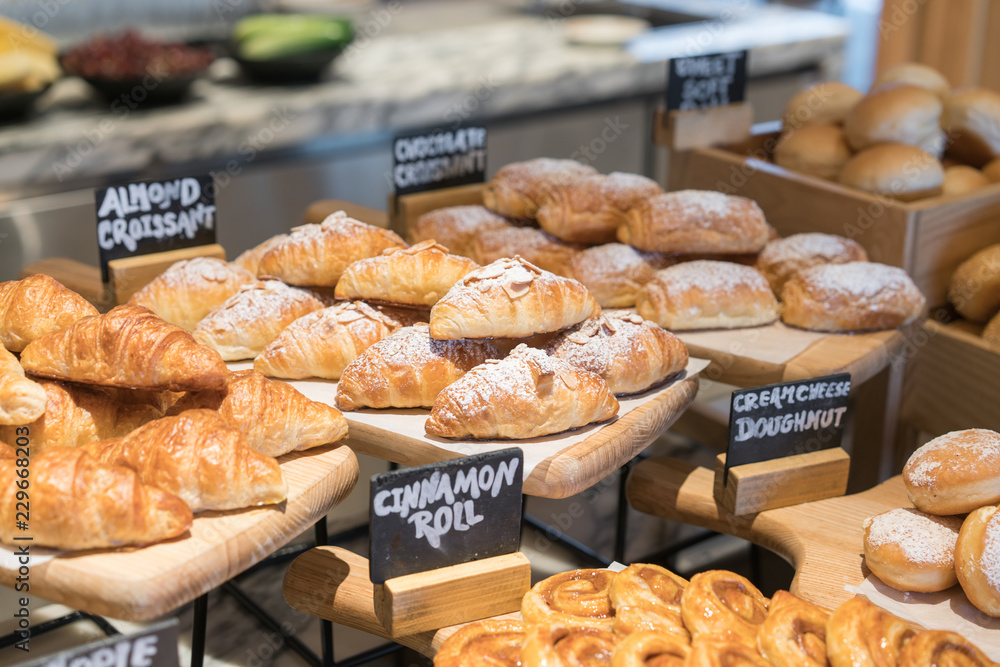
349	316
516	290
570	380
579	337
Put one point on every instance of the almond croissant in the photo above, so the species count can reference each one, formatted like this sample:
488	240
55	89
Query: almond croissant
128	346
21	400
198	457
78	503
35	306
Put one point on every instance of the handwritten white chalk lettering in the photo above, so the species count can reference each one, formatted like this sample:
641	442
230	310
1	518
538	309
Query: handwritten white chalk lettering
796	422
779	397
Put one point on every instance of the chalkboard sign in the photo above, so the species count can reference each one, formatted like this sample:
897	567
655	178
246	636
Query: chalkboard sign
155	646
154	216
438	159
779	420
706	81
445	513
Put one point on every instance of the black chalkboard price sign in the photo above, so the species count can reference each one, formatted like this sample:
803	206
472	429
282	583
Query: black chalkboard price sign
155	646
445	513
154	216
435	159
699	82
779	420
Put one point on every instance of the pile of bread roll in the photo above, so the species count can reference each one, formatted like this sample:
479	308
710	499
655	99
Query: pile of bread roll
952	535
909	138
974	291
125	425
686	260
647	615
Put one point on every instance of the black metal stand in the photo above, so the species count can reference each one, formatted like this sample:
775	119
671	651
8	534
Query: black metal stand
325	626
56	623
198	632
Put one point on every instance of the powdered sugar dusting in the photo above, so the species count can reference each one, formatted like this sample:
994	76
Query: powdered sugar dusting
513	275
194	272
696	205
596	344
980	447
266	300
823	247
624	188
455	226
611	259
866	280
540	173
989	562
923	538
413	346
710	276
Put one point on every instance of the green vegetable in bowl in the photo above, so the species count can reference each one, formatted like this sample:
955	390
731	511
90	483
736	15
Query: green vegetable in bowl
272	36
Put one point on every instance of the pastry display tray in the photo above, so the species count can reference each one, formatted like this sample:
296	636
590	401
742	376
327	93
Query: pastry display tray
139	584
556	466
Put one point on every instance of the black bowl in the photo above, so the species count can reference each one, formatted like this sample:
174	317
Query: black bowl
144	92
15	106
299	68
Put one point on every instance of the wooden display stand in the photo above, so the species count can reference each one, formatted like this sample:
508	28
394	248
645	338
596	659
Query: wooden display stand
713	126
405	209
129	275
451	595
792	480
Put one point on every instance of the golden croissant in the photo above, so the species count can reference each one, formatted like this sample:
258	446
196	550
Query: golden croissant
21	400
35	306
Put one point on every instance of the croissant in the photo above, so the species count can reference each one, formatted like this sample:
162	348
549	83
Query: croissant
527	395
590	209
273	417
198	457
517	189
243	325
130	347
510	298
408	369
415	276
456	227
540	248
322	343
77	414
35	306
79	503
21	400
190	289
316	255
250	259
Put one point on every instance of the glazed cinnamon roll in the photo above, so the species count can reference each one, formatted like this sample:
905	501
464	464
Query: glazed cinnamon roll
493	642
644	584
859	633
724	652
650	649
559	644
794	633
662	619
579	597
932	648
724	604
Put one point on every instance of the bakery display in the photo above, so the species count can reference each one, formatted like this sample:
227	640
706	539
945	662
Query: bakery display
977	559
417	276
188	290
912	551
199	458
518	189
78	503
782	258
316	255
322	343
971	117
408	369
127	347
590	209
707	294
897	114
899	171
510	298
913	74
955	473
455	227
825	103
696	221
21	400
243	325
974	288
961	179
614	272
575	598
817	150
528	394
629	353
855	296
273	416
35	306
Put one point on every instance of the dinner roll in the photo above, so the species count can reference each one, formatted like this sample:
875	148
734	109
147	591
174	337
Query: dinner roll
822	104
817	150
972	120
914	74
974	289
899	171
962	179
901	114
955	473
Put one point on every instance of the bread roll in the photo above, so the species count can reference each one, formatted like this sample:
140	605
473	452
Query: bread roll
517	189
912	551
856	296
963	179
708	295
974	289
972	120
900	114
955	473
817	150
783	258
977	559
899	171
825	103
914	74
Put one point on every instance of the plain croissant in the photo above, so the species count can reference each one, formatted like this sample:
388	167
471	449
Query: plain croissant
129	346
272	415
198	457
21	400
35	306
79	503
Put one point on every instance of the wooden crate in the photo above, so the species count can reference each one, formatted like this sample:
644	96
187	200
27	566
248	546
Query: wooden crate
928	238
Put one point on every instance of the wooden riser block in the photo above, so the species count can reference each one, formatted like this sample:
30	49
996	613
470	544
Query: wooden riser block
128	275
783	482
451	595
699	128
405	209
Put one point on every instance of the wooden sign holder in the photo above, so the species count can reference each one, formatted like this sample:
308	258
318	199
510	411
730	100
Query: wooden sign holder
699	128
128	275
405	209
451	595
756	487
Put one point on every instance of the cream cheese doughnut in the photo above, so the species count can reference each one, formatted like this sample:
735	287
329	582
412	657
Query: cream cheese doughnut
912	551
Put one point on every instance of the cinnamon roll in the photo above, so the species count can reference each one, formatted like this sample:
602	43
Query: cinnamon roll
650	649
561	644
494	642
580	597
724	604
859	633
794	633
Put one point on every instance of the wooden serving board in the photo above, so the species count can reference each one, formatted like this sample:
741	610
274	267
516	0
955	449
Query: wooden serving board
141	584
821	539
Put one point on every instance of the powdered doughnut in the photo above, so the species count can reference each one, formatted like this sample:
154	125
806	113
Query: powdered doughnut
912	551
955	473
